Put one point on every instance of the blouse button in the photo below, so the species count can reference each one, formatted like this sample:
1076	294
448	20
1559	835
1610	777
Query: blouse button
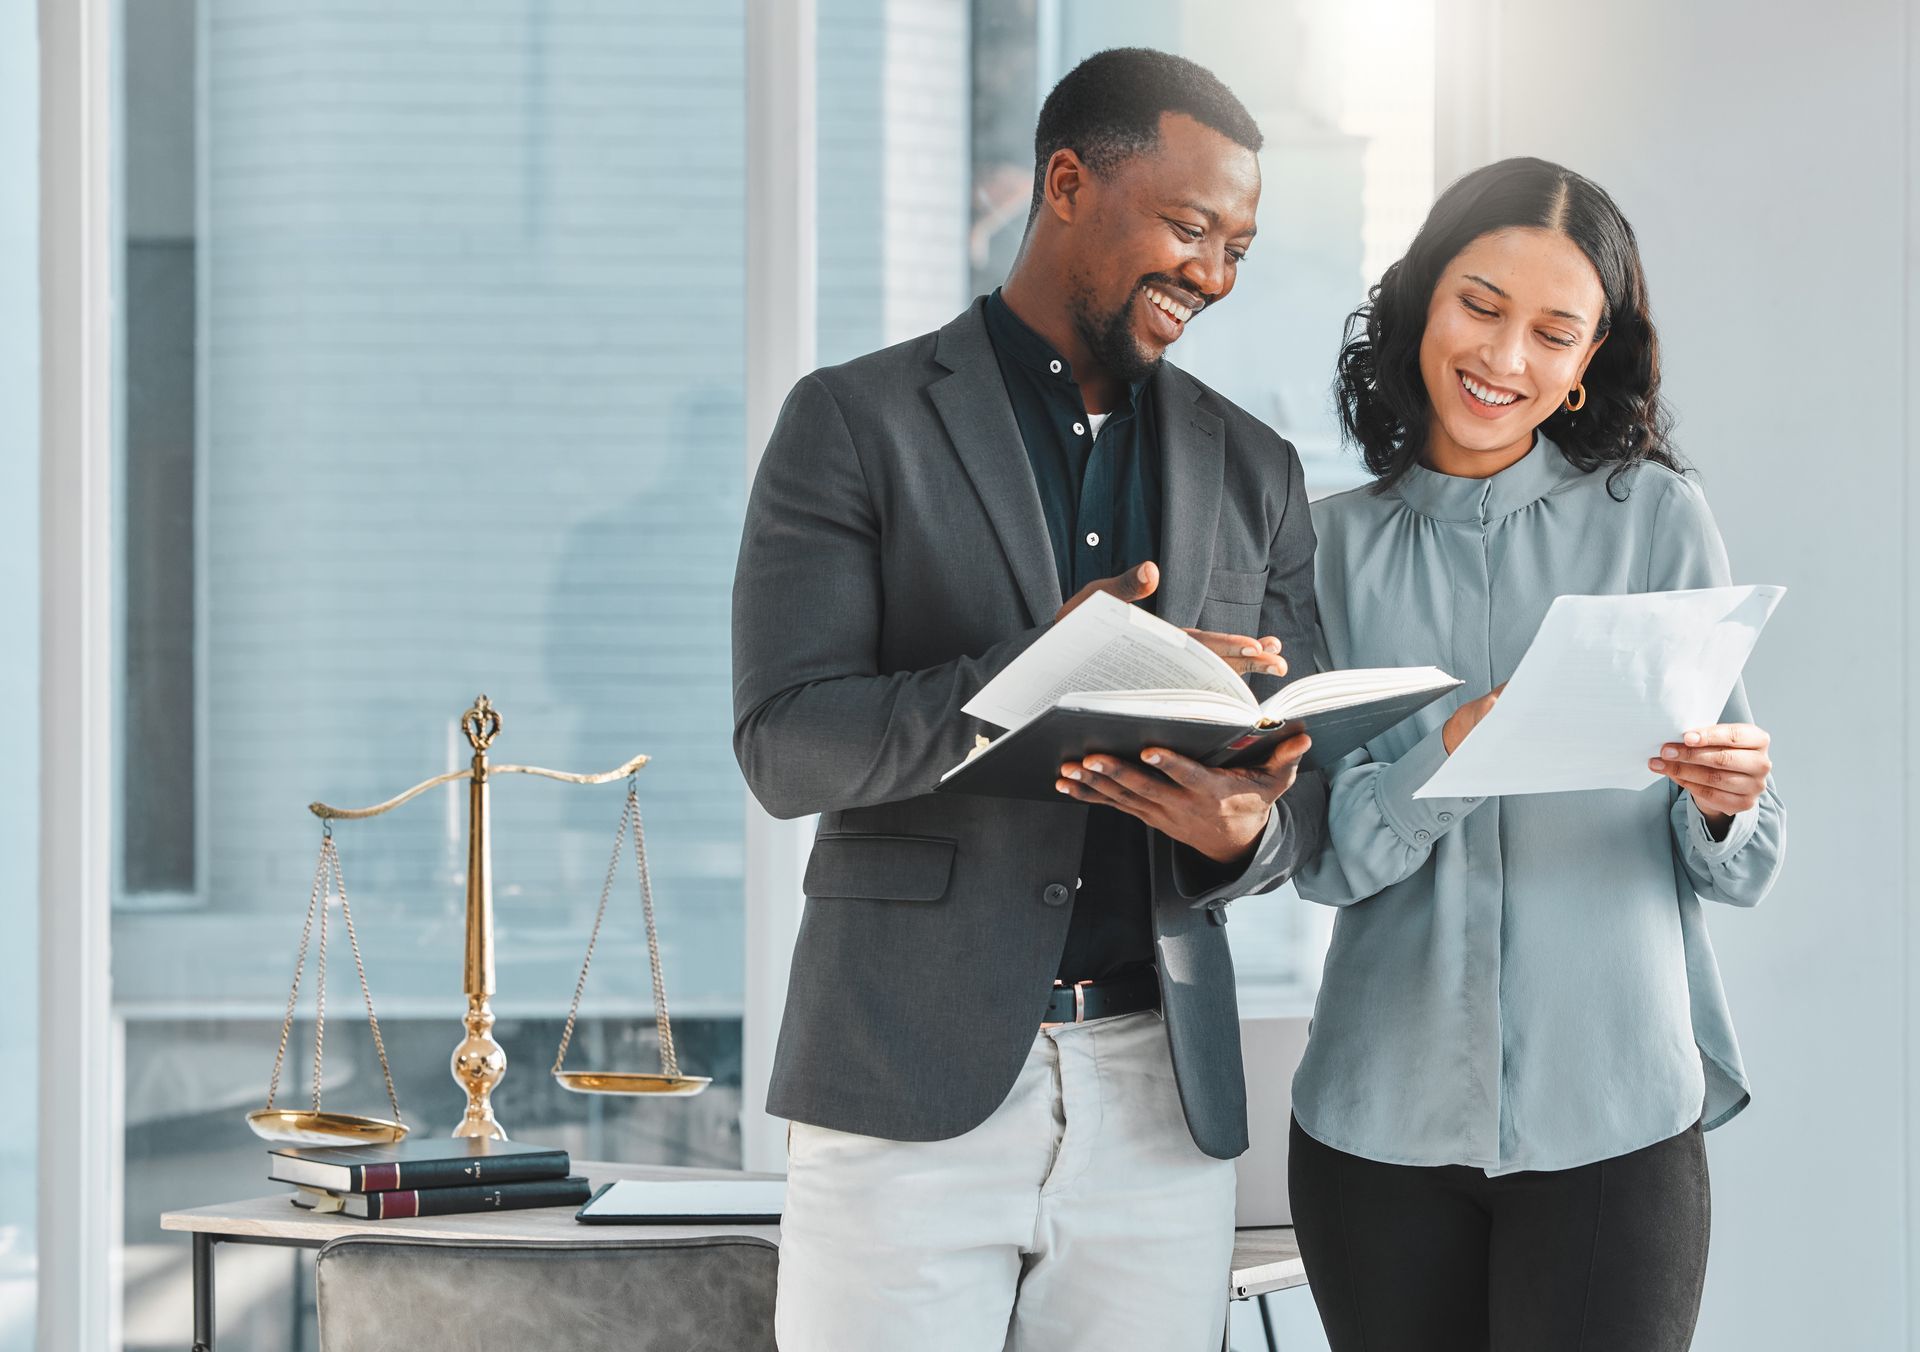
1423	835
1446	816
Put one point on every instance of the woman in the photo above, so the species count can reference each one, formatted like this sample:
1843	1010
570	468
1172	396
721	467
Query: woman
1520	1033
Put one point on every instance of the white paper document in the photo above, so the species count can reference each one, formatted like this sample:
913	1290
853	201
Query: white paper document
1605	682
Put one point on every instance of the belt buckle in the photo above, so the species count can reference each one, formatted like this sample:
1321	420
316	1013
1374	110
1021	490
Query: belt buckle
1079	1004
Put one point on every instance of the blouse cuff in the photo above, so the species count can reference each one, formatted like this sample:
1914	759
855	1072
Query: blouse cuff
1711	851
1419	821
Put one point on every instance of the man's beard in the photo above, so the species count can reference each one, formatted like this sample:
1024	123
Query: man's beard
1110	337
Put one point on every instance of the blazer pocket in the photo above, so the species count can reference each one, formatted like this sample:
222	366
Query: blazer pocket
882	868
1230	584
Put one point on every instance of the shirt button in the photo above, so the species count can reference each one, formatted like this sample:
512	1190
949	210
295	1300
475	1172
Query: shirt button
1055	895
1423	835
1093	537
1079	429
1054	367
1472	800
1446	816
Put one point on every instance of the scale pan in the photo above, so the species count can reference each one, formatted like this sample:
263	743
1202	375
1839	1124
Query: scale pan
629	1082
291	1126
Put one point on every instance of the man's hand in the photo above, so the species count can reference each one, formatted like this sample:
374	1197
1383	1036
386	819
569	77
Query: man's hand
1467	717
1724	767
1219	812
1241	652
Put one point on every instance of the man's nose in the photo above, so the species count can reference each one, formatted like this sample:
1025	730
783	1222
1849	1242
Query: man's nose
1208	274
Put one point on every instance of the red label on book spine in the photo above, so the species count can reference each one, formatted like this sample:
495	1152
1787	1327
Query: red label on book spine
399	1205
379	1177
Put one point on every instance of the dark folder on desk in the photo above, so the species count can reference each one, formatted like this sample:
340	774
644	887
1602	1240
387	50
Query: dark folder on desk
719	1201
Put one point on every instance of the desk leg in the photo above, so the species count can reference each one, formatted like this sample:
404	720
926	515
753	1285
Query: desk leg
203	1292
1266	1323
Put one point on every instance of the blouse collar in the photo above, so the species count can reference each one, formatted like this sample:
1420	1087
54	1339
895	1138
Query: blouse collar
1448	497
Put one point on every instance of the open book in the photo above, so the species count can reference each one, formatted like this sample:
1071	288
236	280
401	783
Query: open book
1114	678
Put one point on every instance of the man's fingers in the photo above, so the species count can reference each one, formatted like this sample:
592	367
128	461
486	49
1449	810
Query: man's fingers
1287	755
1180	769
1136	583
1135	780
1244	653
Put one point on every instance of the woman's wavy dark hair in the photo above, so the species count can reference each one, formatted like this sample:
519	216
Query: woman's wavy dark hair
1382	398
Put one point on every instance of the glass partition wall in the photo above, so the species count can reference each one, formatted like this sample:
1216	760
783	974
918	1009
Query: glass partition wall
433	387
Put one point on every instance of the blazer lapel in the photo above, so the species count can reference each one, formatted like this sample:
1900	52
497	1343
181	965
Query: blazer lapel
973	404
1193	459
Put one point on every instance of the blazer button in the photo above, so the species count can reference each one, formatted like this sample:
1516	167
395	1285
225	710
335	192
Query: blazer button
1056	894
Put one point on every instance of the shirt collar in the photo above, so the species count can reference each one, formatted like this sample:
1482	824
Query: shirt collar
1449	497
1015	340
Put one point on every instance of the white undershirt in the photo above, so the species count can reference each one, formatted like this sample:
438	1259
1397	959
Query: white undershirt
1094	420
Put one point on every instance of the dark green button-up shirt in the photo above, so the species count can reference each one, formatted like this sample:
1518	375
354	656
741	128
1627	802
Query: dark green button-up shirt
1100	494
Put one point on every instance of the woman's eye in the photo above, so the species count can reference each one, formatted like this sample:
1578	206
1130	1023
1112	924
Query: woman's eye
1558	339
1475	307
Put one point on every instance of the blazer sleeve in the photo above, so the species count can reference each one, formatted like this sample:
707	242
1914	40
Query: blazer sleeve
1297	825
817	725
1687	552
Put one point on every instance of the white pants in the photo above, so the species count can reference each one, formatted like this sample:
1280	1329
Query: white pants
1080	1215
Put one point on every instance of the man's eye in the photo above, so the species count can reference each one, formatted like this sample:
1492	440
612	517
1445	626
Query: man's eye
1189	233
1237	255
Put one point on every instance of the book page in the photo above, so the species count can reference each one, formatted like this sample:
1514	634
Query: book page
1606	680
1104	644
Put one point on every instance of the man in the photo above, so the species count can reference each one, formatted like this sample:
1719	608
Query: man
1011	1048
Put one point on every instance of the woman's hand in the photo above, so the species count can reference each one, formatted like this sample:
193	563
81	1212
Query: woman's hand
1724	767
1467	717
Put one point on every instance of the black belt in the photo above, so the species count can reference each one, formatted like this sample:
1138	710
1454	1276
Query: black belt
1084	1000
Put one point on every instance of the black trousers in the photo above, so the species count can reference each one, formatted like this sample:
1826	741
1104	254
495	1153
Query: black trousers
1608	1257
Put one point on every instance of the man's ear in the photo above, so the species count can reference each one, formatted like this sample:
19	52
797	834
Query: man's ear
1066	177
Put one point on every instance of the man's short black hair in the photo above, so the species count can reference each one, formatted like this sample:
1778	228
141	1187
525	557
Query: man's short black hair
1107	109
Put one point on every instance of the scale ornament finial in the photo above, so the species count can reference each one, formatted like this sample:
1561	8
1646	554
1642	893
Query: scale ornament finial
481	723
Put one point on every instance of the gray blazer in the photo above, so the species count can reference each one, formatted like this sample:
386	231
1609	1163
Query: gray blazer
894	559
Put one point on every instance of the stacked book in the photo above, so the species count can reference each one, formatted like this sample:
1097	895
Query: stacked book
427	1178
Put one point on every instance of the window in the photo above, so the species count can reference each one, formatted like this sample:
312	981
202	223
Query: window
433	387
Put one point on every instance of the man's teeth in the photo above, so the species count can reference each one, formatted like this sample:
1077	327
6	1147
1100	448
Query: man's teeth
1485	395
1170	305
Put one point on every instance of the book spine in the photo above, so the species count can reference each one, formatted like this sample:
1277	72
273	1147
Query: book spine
456	1173
409	1202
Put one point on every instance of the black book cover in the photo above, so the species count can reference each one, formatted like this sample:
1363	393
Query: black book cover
408	1202
423	1163
1024	763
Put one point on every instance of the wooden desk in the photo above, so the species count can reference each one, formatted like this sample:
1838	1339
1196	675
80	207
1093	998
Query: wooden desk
1263	1260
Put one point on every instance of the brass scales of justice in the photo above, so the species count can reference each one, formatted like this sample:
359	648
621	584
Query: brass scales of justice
479	1062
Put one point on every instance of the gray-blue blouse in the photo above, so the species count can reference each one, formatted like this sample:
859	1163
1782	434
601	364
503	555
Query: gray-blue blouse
1522	982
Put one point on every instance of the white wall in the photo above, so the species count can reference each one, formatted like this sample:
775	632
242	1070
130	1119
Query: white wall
19	657
1766	155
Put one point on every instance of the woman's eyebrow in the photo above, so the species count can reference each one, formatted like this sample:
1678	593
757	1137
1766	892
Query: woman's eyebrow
1557	314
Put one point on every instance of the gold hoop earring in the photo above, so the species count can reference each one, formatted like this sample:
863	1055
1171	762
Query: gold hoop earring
1580	390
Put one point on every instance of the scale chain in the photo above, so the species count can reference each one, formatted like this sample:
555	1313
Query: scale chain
373	1022
629	814
327	852
669	1061
299	967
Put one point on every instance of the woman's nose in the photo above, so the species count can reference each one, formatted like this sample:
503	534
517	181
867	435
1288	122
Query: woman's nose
1503	354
